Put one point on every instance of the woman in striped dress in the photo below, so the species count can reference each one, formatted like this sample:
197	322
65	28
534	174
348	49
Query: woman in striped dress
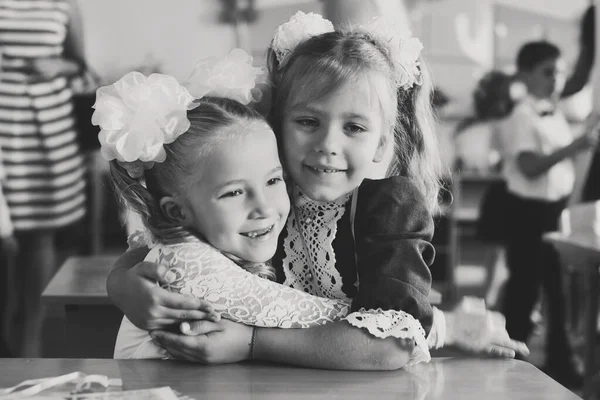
41	46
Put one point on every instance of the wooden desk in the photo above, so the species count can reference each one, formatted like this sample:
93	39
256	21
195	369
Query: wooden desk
91	320
449	379
582	251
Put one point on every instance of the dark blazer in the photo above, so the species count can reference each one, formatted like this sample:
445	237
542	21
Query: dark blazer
393	249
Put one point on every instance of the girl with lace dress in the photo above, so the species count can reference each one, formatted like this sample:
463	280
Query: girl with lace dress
203	172
345	102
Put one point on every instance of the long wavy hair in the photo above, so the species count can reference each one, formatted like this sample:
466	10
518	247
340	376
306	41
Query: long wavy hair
322	64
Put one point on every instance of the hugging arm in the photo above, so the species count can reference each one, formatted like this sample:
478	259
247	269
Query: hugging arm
131	286
252	300
200	271
393	231
337	345
203	272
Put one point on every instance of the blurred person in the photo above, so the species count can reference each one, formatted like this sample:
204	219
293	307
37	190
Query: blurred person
478	150
537	150
42	48
492	101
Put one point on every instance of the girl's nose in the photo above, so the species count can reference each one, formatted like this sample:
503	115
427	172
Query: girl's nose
328	140
261	207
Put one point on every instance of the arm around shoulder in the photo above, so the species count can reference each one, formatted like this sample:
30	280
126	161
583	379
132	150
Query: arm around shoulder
118	274
393	230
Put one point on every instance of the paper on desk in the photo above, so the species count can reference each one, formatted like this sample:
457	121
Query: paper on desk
62	386
162	393
80	386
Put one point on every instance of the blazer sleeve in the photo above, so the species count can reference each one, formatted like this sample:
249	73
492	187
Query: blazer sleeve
393	232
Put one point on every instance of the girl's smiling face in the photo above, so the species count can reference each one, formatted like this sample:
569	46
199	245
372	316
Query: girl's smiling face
331	144
237	200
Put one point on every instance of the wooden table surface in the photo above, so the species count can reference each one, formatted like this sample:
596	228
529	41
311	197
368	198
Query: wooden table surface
446	378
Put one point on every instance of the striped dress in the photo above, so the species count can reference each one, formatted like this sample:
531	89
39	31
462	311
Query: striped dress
45	179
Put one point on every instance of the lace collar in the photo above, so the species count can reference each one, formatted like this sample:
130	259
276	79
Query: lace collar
303	203
309	263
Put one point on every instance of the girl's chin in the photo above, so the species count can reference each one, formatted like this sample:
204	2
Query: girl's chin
261	256
325	194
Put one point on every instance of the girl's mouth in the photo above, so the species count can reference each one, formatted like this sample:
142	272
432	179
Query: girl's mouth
258	233
324	170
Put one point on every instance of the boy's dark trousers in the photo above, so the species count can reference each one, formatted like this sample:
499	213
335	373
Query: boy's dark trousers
532	264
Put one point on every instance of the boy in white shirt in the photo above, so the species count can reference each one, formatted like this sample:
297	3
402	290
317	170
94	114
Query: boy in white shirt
538	148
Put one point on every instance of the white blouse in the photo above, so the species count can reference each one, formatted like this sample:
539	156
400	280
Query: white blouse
204	272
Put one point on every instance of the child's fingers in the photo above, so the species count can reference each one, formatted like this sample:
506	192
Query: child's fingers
179	315
518	347
182	302
194	328
497	351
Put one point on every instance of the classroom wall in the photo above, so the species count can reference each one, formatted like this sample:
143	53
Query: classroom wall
125	34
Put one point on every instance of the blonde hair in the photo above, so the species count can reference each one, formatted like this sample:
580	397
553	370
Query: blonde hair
323	63
143	194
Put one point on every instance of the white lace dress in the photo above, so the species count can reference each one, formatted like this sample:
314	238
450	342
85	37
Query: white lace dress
309	266
204	272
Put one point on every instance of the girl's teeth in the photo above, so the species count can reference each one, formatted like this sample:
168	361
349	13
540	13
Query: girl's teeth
259	233
328	171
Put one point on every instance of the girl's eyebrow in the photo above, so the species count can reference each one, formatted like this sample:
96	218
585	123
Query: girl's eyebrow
242	181
306	107
316	110
355	116
223	185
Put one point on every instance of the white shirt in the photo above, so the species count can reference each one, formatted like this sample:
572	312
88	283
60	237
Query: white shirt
525	130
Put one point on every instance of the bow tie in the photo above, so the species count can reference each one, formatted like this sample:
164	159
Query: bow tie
546	113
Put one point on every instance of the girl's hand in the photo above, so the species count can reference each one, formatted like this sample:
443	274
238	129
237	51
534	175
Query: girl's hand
150	307
470	326
214	343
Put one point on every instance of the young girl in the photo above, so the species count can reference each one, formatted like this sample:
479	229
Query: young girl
344	102
210	191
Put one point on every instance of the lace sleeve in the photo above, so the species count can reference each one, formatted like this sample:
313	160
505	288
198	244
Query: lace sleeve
399	324
203	272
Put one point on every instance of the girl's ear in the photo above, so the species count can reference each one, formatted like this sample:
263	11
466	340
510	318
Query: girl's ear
175	211
380	152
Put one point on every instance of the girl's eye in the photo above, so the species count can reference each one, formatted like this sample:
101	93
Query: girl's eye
232	193
308	122
274	181
353	128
